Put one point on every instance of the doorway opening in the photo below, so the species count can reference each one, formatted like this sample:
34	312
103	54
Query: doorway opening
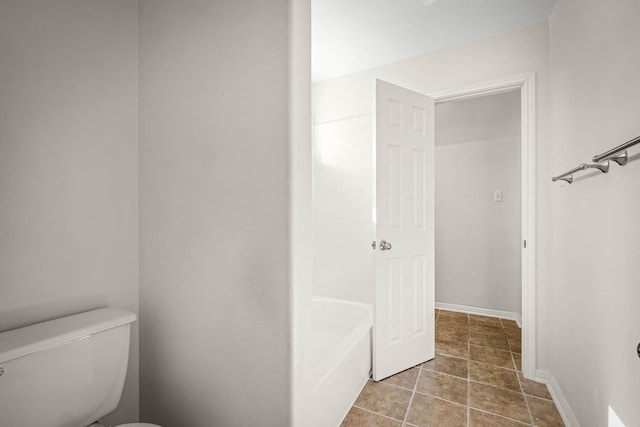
477	208
524	86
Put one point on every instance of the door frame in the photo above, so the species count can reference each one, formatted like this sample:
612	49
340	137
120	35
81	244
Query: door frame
526	84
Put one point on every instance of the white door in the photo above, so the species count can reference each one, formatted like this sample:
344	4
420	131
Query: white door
404	325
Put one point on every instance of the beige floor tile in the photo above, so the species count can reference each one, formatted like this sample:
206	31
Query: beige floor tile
534	388
360	418
448	365
515	345
444	386
452	324
489	328
488	331
513	334
544	412
484	319
491	356
406	379
452	348
455	335
489	339
384	399
498	401
482	419
492	375
427	411
453	314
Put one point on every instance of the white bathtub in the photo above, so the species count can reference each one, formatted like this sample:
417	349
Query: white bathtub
341	357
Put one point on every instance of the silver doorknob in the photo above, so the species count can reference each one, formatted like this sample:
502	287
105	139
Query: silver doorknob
385	246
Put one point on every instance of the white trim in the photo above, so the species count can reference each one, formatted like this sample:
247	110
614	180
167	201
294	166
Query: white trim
479	311
300	257
481	89
569	418
526	84
528	209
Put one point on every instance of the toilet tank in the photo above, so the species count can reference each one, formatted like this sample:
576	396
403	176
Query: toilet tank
66	372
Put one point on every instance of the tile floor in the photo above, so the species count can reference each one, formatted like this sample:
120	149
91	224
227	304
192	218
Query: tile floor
474	381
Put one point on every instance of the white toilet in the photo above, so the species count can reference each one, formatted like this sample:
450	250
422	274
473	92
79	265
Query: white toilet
67	372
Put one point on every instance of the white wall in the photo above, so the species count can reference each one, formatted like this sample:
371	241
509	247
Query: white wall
511	53
594	63
477	239
214	213
68	164
342	209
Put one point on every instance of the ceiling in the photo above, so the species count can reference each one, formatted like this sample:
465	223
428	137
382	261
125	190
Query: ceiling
481	118
354	35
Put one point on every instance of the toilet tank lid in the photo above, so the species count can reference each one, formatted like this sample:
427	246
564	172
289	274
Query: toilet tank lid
41	336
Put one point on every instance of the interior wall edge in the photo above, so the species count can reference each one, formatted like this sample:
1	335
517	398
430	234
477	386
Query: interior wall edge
300	210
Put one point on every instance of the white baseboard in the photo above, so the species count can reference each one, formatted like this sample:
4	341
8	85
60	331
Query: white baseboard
569	418
481	311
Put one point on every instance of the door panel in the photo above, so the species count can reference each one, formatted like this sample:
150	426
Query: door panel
404	333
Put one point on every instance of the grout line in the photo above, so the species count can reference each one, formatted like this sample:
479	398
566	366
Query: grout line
526	402
413	393
515	365
501	416
399	386
541	398
498	387
444	373
488	346
494	365
376	413
440	398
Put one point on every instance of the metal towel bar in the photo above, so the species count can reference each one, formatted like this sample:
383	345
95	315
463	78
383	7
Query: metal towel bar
619	148
601	161
568	175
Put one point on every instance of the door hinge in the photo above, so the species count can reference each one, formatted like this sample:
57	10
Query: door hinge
525	244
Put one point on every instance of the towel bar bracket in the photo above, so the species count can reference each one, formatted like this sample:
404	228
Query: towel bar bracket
601	161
